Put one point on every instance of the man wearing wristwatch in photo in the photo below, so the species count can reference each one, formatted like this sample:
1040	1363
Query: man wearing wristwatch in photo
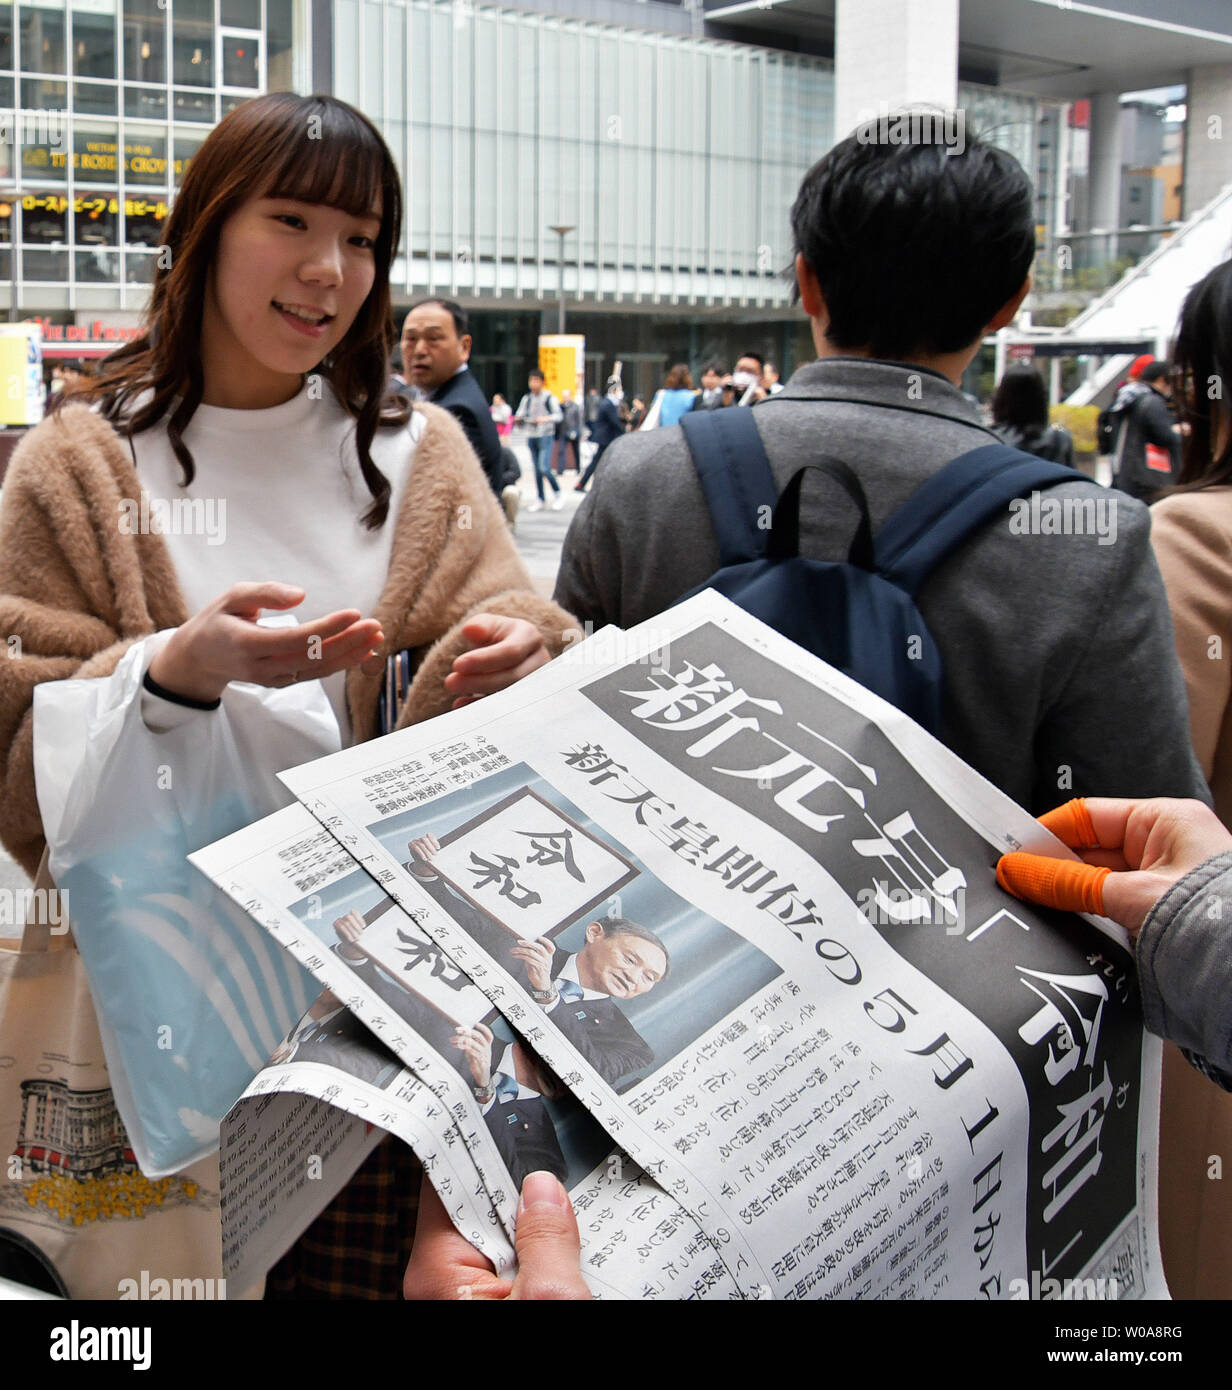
510	1095
579	992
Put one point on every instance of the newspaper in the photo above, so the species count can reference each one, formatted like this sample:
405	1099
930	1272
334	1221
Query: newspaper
743	913
280	1160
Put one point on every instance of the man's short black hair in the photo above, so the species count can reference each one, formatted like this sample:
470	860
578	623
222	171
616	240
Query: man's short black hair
716	367
536	371
461	322
756	357
1153	371
623	926
916	246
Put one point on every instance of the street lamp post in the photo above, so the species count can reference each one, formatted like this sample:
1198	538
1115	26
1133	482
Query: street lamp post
561	232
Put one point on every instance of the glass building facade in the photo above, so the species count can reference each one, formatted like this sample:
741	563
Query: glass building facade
671	158
102	105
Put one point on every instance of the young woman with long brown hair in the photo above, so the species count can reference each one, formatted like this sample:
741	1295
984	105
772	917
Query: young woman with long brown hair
260	383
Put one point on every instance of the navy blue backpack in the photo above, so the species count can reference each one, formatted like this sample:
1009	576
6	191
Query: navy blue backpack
858	615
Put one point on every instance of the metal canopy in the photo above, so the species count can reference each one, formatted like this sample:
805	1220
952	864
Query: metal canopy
1039	46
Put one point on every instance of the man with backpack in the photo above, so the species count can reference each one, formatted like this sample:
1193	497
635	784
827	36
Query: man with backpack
540	413
1058	670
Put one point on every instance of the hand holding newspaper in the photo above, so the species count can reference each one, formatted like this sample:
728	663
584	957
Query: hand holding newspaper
694	922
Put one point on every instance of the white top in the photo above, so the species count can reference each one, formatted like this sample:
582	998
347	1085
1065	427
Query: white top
277	495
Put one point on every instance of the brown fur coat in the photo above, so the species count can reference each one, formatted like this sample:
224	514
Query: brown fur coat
76	592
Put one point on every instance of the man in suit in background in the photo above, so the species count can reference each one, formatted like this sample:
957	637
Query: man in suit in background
620	960
435	351
604	428
710	397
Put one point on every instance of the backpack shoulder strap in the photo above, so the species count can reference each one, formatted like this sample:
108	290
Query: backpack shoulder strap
735	475
955	503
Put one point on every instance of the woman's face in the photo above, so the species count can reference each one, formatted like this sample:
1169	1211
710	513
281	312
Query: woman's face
285	286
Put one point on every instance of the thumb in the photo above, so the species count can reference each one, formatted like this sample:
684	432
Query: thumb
1129	898
248	597
547	1243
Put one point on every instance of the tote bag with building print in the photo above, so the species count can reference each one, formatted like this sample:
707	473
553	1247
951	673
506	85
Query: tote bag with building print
77	1216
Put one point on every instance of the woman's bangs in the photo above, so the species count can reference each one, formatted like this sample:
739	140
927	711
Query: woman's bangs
344	169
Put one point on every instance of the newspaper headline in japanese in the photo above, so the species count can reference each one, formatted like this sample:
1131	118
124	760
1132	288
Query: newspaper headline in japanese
711	932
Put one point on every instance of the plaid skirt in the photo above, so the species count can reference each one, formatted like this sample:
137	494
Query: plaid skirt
360	1244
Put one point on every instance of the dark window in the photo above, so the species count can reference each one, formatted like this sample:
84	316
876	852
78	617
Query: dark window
95	98
96	218
278	49
145	41
42	41
43	95
44	219
240	14
150	102
143	219
94	45
44	265
6	38
192	43
241	61
193	106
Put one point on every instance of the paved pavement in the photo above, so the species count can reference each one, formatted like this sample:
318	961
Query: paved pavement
540	535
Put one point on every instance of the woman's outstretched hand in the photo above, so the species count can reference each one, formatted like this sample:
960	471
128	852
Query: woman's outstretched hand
224	643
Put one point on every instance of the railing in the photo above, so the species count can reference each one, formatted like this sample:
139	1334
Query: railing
1091	262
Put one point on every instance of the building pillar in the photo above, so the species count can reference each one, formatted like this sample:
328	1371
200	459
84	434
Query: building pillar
1208	136
1105	170
890	54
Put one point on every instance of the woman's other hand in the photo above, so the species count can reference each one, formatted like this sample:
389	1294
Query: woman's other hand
503	650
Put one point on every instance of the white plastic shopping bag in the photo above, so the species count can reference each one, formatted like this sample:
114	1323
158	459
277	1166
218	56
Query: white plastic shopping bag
191	996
